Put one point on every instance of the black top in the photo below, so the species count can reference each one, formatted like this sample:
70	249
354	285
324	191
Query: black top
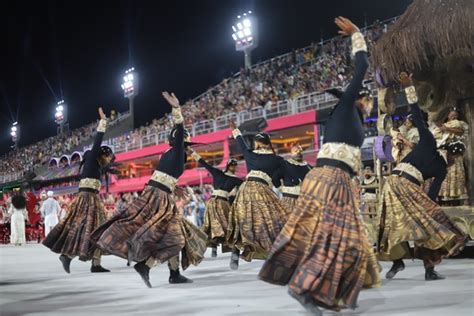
268	163
172	161
344	124
91	168
291	174
425	156
221	180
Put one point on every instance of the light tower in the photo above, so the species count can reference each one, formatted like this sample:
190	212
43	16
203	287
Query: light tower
60	117
15	133
130	89
245	35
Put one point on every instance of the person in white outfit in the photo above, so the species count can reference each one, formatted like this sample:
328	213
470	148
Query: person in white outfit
18	215
50	211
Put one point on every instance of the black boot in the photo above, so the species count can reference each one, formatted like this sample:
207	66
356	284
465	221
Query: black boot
144	272
432	275
66	261
214	252
234	259
307	303
397	266
176	278
98	269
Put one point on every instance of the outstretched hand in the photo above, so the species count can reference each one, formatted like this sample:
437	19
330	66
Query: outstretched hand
232	124
171	98
102	114
406	79
346	26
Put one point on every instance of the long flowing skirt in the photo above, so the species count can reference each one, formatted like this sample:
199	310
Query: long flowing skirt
255	220
216	221
323	252
152	226
18	228
289	203
454	185
408	214
71	237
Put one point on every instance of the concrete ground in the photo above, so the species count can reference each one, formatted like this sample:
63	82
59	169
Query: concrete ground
32	282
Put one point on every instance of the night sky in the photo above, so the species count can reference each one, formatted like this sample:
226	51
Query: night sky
78	50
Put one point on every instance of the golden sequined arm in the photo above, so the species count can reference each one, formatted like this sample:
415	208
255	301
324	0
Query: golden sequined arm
177	116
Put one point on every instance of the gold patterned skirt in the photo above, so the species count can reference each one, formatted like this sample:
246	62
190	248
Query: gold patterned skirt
152	226
216	221
255	220
71	237
408	214
454	185
323	252
289	203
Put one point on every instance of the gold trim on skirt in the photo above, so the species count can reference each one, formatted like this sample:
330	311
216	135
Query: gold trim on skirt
255	220
323	251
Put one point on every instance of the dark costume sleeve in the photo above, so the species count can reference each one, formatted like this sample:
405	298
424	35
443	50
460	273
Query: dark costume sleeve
244	148
278	176
344	124
436	184
212	170
91	166
178	144
352	91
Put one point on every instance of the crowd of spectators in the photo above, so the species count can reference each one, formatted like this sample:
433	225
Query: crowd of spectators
28	157
311	69
192	207
37	154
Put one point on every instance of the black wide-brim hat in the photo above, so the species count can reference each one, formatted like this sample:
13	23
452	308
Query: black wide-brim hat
264	138
106	151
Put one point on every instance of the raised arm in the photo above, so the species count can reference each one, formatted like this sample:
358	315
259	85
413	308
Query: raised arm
178	120
101	128
359	49
412	98
244	148
212	170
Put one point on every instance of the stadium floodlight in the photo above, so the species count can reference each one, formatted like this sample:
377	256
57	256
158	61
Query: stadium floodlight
245	35
130	88
15	134
60	116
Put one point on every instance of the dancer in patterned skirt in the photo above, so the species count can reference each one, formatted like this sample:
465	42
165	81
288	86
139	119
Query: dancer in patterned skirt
71	237
151	230
292	174
218	206
408	213
257	216
323	253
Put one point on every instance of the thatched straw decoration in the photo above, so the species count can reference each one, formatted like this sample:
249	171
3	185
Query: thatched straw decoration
428	29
